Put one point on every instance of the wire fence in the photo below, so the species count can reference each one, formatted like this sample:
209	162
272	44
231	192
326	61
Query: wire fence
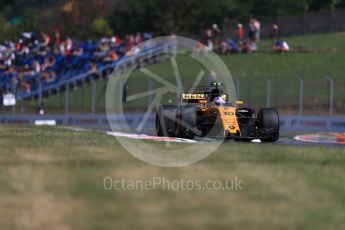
290	95
295	95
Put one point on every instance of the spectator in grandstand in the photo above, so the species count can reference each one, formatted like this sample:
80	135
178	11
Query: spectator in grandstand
45	38
130	42
30	58
147	36
115	40
138	39
68	46
111	57
26	87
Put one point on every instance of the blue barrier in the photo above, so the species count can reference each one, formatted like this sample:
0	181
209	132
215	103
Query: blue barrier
287	123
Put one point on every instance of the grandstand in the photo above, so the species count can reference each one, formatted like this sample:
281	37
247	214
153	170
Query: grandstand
32	67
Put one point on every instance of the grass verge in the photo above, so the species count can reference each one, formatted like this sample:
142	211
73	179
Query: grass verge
53	178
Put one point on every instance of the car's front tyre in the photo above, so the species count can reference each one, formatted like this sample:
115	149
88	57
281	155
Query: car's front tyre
165	120
268	123
186	121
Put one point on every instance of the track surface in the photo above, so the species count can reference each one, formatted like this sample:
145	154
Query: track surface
322	139
316	139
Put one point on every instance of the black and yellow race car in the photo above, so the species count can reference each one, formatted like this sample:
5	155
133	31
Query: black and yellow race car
206	112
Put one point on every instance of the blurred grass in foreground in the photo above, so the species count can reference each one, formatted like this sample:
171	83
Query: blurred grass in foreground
52	178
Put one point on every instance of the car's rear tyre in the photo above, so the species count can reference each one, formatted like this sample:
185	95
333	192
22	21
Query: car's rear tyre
268	121
165	120
186	122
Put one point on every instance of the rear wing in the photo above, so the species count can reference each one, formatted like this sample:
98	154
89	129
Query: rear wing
201	93
198	97
194	97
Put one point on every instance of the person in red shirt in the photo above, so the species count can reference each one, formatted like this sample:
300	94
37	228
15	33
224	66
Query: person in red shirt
240	32
138	39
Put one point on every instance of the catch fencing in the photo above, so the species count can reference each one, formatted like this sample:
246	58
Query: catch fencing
320	96
323	96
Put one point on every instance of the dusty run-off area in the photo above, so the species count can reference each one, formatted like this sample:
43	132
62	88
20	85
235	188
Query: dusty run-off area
52	178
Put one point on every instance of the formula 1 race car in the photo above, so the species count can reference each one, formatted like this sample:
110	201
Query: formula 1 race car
208	113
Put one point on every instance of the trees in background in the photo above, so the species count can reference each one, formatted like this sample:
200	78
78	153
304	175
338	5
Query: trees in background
189	16
100	27
94	18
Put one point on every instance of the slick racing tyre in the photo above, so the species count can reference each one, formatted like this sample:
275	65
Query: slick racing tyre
165	120
186	121
268	122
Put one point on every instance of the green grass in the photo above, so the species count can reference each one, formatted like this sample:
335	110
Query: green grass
52	178
313	57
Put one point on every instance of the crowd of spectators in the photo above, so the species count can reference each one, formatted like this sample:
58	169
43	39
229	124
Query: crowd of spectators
246	41
46	58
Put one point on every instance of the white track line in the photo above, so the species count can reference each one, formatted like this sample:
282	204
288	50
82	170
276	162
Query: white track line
147	137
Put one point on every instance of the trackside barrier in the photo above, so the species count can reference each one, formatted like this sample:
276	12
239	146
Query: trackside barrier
287	123
85	120
328	88
312	124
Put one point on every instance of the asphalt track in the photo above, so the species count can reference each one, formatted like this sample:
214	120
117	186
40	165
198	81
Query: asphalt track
315	139
319	139
292	141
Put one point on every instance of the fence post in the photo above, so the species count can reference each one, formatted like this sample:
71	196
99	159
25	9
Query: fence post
93	95
40	92
301	95
66	98
268	99
149	87
331	86
15	95
21	106
14	110
305	20
237	83
332	19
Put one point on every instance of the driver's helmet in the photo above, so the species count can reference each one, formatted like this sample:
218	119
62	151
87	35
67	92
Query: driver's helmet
213	94
219	100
